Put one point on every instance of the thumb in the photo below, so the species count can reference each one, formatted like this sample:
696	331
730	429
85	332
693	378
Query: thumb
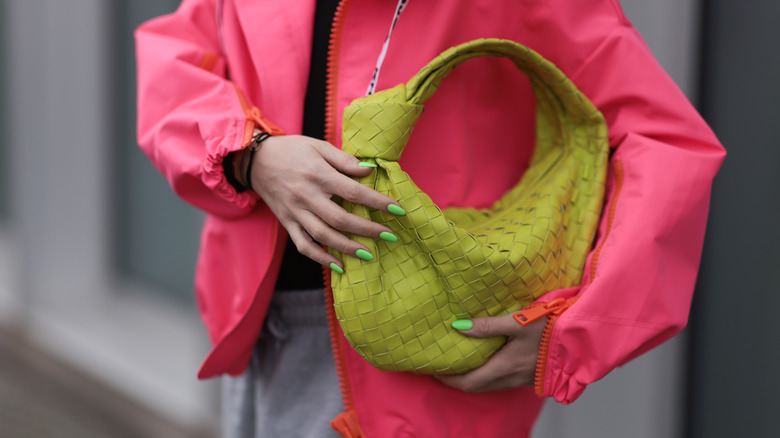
488	326
343	162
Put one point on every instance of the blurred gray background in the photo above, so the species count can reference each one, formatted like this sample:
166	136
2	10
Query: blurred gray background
99	334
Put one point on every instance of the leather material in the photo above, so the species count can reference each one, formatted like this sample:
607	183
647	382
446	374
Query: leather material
461	263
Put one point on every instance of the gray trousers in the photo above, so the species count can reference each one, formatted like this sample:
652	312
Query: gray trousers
290	388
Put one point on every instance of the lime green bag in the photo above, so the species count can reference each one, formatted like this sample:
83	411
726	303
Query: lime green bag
461	263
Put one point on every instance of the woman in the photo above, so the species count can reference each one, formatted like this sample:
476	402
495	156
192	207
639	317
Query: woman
213	75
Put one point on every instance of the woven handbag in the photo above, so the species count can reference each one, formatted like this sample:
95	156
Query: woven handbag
460	263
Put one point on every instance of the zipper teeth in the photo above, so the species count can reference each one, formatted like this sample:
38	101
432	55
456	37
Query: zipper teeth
544	346
334	47
249	124
544	349
617	167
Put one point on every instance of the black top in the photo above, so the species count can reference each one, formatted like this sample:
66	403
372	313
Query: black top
298	271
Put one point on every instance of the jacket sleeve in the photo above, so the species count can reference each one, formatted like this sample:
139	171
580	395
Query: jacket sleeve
639	279
190	116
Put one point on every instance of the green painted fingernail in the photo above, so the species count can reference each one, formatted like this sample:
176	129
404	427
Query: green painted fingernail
390	237
462	324
392	208
366	164
365	255
336	268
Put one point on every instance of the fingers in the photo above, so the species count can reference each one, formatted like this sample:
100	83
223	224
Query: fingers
298	176
489	326
308	247
327	235
326	224
476	380
341	161
469	383
512	366
479	380
338	219
347	188
330	170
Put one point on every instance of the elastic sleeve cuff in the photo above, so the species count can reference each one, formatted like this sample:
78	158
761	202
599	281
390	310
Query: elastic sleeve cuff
214	172
227	167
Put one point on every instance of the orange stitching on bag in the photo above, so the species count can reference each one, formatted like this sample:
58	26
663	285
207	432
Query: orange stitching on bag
617	167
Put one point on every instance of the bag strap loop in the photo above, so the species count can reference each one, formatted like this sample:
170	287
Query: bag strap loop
394	112
540	71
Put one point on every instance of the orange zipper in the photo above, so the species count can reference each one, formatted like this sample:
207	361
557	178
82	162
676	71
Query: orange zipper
617	168
335	343
555	308
552	310
346	423
254	119
209	60
334	49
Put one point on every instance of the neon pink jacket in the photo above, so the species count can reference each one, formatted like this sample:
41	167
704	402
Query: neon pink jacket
472	144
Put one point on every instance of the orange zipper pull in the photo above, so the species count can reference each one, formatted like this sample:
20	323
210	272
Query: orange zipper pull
264	124
535	312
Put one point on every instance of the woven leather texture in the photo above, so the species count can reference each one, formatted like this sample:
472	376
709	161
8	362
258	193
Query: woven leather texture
460	263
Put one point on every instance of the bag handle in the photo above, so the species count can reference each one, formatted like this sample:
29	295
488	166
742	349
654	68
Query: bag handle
540	71
559	102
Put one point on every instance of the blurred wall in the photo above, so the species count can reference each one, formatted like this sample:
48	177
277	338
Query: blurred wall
5	191
155	233
63	283
736	349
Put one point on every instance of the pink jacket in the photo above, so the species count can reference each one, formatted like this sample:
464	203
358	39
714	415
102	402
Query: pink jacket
471	145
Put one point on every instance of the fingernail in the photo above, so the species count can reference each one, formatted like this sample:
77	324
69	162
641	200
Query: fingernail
366	164
390	237
462	324
392	208
336	268
365	255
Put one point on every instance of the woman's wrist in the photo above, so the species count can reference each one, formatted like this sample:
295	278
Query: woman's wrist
238	164
228	166
257	141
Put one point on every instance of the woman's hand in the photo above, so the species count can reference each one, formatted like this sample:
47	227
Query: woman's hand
297	176
512	366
